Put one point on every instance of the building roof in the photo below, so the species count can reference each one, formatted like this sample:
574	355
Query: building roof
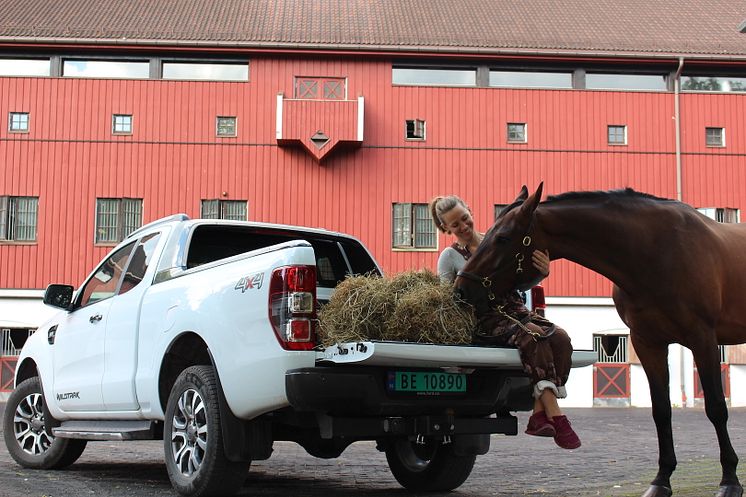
700	28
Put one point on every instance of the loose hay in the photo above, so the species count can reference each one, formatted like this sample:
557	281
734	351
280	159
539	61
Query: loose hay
414	306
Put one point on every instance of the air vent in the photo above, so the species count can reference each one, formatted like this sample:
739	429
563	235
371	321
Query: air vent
320	139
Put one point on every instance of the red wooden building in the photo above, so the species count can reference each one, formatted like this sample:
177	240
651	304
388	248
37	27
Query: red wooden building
351	116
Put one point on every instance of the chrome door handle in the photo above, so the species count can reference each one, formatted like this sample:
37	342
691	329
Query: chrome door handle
95	318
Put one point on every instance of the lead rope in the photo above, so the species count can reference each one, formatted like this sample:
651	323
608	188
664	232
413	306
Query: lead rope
535	335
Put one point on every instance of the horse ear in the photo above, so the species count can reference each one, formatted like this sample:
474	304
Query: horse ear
522	195
532	202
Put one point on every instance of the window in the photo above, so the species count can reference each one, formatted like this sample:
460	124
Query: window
18	218
104	282
116	218
121	124
18	122
24	67
225	126
715	137
414	129
413	227
517	133
609	81
421	76
616	134
712	83
722	215
209	71
235	210
105	69
530	79
610	348
320	88
498	209
139	263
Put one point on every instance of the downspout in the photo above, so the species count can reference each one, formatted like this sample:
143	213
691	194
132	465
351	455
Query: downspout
677	124
679	196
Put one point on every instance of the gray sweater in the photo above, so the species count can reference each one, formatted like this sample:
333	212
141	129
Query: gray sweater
450	262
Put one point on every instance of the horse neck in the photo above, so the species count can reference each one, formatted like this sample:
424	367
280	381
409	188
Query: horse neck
599	242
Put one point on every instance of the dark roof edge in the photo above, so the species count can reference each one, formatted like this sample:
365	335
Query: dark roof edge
341	48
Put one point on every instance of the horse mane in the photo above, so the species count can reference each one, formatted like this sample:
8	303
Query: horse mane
623	193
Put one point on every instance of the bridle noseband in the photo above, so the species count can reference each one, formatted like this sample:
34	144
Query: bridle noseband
486	281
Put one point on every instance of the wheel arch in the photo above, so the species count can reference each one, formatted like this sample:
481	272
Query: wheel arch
187	349
25	370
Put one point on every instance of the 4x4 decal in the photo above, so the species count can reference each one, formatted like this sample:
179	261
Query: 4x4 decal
252	281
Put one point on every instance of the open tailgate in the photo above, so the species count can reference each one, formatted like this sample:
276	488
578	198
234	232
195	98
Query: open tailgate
433	355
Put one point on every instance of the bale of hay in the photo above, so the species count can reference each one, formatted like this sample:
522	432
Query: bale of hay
413	306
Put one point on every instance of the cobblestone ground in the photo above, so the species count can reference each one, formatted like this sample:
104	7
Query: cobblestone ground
617	459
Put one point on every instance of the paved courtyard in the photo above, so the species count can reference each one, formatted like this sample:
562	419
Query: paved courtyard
617	459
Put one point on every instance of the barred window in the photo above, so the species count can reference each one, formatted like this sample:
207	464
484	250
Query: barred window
413	227
611	348
116	218
18	218
234	210
722	214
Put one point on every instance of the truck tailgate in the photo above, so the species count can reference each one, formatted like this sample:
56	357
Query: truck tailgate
433	355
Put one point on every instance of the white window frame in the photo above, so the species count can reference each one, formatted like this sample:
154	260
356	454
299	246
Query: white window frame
19	219
722	137
508	132
23	118
418	129
722	214
222	209
218	126
608	134
412	228
126	216
114	124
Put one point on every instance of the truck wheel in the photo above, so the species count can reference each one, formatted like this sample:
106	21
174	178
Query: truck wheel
432	467
27	440
193	440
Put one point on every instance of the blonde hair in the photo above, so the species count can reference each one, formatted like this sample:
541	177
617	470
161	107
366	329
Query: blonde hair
440	205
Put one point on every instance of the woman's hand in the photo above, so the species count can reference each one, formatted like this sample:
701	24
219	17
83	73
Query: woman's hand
540	259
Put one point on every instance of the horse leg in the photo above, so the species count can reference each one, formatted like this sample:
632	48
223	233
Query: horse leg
708	364
654	361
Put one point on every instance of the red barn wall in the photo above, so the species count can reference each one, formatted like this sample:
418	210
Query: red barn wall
173	159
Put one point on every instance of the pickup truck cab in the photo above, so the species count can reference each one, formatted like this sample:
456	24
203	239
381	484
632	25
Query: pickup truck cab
202	333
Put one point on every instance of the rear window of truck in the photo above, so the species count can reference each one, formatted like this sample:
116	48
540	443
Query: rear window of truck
335	257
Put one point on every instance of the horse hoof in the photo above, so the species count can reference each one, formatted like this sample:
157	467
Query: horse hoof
657	491
730	491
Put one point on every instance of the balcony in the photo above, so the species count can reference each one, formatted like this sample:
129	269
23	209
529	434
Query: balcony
319	126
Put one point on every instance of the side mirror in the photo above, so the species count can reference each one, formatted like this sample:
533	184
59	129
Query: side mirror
59	296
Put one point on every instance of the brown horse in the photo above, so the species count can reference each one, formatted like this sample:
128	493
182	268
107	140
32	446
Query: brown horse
679	277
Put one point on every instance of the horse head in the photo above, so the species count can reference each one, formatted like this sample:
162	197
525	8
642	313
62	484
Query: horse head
503	260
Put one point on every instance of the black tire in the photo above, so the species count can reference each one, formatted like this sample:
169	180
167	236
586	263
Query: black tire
28	442
193	440
432	467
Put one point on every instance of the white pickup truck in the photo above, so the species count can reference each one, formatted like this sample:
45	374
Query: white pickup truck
202	333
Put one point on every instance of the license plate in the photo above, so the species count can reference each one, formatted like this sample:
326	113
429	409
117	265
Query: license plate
426	382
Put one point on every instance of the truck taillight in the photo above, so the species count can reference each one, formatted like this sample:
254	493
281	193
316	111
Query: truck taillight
537	300
292	306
